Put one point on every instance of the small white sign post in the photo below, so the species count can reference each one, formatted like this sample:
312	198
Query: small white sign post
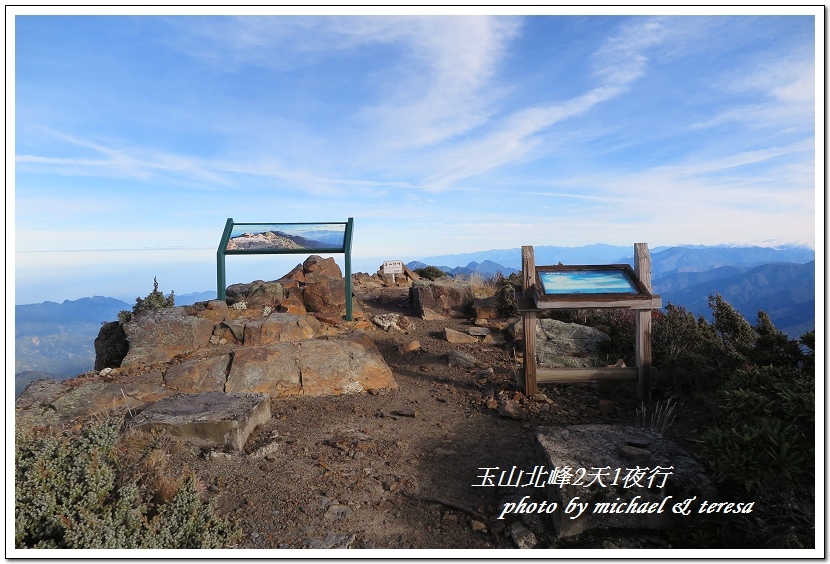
393	267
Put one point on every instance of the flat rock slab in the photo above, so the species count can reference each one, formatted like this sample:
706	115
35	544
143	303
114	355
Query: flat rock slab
207	419
48	403
603	465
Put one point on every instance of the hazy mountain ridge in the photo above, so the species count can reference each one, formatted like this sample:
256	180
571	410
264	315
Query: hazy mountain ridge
785	291
58	338
779	281
486	268
693	258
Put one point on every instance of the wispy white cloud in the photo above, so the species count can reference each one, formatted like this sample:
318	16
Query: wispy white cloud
443	85
782	94
435	84
617	63
120	162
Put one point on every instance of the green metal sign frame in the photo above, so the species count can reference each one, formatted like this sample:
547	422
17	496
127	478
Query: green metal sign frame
278	242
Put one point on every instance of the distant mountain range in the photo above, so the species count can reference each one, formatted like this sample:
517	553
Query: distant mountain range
693	258
487	268
56	340
779	281
53	340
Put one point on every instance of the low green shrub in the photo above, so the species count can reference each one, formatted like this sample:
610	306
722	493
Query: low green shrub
71	492
765	434
506	294
430	272
154	300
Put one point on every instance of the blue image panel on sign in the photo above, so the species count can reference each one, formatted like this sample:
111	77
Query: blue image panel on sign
587	282
286	236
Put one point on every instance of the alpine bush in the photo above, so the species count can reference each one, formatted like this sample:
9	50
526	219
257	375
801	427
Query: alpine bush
154	300
71	492
430	272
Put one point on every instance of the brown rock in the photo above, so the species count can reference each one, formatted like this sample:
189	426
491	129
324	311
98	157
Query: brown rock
48	403
160	334
325	266
410	274
111	346
215	310
349	364
293	301
262	294
446	297
409	347
457	337
486	308
329	319
199	375
314	367
494	339
280	327
512	409
272	369
430	315
325	295
233	331
297	276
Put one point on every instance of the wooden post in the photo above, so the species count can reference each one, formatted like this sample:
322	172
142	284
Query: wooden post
529	320
642	265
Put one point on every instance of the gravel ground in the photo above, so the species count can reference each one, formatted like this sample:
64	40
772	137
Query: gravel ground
397	469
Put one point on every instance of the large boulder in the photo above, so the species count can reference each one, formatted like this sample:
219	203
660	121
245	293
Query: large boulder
256	295
271	369
348	364
567	345
444	296
158	335
601	465
351	364
325	267
486	308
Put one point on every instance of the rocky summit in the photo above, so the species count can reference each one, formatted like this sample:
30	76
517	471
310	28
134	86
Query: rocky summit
278	338
308	431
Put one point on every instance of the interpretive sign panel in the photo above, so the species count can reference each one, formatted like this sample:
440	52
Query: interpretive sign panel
291	237
285	238
591	286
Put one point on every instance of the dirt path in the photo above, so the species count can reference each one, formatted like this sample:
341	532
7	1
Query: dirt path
396	469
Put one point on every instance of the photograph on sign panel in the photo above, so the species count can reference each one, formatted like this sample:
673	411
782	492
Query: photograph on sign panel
586	282
283	236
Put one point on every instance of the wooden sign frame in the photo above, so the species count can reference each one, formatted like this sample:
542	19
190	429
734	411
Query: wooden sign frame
641	299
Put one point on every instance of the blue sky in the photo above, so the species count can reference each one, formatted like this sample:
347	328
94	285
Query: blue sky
136	137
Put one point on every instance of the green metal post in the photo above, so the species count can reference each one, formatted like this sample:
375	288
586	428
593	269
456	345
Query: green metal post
220	261
347	249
